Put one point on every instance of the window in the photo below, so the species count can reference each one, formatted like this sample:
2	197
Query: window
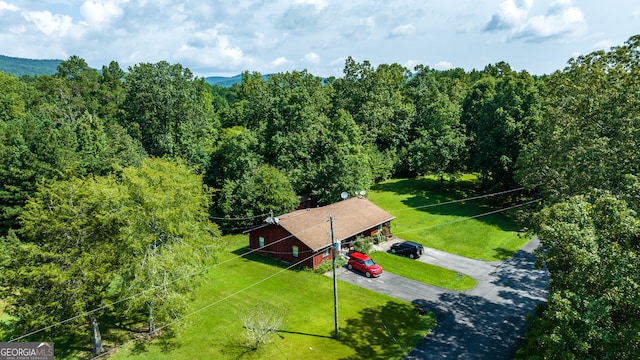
325	253
294	251
261	241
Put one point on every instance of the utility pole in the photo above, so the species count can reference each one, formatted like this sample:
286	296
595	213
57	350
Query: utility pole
335	280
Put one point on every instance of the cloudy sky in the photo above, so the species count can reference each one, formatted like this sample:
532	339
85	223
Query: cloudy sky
220	37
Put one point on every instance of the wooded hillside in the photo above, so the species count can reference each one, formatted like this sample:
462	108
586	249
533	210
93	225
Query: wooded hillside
106	175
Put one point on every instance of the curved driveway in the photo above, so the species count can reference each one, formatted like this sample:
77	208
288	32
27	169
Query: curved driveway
486	322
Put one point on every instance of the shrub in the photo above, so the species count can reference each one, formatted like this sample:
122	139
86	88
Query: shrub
363	244
326	265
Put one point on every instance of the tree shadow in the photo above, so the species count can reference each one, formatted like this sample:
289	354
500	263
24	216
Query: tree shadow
492	327
470	327
381	332
427	193
302	333
233	348
460	188
521	274
165	339
245	253
502	253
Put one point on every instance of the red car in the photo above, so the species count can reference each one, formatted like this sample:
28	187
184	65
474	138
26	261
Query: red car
364	264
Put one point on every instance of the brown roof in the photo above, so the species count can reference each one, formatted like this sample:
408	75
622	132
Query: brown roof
350	217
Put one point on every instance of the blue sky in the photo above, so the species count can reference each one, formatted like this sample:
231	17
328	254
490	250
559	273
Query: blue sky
213	37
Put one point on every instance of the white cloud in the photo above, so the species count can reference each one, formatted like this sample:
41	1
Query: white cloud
9	7
403	30
280	61
560	19
96	13
411	64
312	58
443	65
49	24
359	28
318	4
510	14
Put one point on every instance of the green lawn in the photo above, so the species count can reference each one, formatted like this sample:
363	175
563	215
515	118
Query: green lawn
448	227
372	325
425	273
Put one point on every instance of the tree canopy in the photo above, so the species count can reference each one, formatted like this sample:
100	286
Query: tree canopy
108	178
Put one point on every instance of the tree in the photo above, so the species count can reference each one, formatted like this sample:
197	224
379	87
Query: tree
170	112
168	235
590	134
143	234
263	191
12	98
592	247
261	323
585	161
39	147
501	113
438	145
237	153
378	102
67	255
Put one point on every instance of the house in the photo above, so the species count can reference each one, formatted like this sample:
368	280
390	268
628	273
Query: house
304	236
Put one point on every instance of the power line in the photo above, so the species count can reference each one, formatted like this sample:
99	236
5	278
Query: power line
278	253
238	218
150	289
471	217
460	200
288	268
208	306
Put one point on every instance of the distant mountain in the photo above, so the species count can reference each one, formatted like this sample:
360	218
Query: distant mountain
224	80
228	81
21	66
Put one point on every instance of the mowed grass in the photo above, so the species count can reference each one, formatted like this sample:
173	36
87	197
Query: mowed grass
460	228
422	272
372	325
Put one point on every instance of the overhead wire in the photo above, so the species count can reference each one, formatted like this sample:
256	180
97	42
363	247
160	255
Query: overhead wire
151	289
238	218
460	200
207	306
278	273
471	217
260	249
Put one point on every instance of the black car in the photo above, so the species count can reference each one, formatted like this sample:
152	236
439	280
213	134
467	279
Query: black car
407	248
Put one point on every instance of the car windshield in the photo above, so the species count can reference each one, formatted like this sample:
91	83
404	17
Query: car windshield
369	262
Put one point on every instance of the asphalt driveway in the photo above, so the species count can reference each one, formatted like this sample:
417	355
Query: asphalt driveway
486	322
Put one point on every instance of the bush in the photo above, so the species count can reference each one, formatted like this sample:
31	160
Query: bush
326	265
378	238
363	244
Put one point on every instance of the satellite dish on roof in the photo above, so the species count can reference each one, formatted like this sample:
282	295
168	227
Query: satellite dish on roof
344	195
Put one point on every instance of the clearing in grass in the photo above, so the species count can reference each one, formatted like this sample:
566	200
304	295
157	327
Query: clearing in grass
434	217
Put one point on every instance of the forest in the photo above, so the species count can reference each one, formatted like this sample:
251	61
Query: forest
114	182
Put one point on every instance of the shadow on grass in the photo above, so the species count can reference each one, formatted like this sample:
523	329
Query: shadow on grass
427	194
502	253
264	259
381	332
72	340
166	340
302	333
236	349
459	189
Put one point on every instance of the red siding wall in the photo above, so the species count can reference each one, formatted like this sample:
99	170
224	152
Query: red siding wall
283	249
